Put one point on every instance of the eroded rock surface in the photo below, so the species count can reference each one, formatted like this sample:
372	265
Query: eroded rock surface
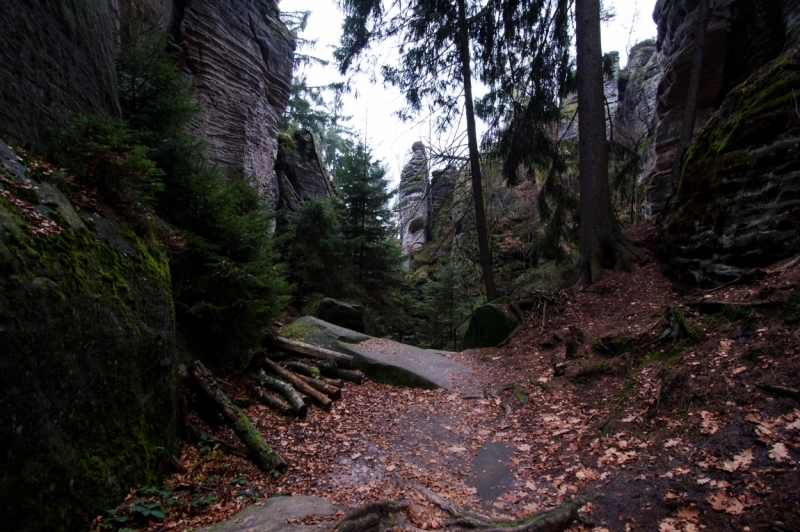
299	170
240	56
414	200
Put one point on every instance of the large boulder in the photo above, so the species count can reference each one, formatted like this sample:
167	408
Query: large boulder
299	170
380	359
353	317
90	387
490	325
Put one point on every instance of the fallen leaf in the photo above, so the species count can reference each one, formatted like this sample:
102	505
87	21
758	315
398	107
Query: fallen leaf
722	503
740	461
739	370
779	453
524	448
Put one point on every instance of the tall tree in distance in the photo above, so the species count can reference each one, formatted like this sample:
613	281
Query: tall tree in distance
601	242
435	67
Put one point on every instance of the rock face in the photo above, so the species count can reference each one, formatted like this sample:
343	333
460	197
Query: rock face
240	55
90	386
490	325
352	317
611	88
738	204
414	200
741	36
56	58
299	171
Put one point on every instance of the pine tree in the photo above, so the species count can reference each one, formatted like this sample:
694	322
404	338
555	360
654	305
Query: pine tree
366	219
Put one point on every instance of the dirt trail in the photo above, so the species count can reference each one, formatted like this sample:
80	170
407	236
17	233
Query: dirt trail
669	434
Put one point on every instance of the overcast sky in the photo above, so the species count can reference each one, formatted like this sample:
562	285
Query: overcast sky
374	105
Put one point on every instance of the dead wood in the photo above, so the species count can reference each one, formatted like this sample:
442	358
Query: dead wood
369	516
331	391
269	399
261	453
780	391
302	368
350	375
317	397
555	520
312	351
299	407
708	306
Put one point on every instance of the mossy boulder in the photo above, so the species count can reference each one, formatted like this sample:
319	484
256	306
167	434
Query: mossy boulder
87	367
353	317
490	325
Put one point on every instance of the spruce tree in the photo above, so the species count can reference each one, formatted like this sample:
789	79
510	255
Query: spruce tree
366	219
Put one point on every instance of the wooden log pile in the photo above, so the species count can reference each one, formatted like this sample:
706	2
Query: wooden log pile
314	377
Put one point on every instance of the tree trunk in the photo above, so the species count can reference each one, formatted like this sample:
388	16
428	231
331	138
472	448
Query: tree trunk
474	155
269	399
319	398
350	375
261	452
690	114
331	391
602	244
312	351
299	407
301	367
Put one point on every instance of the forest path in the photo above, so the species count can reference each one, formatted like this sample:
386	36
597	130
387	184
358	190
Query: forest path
668	435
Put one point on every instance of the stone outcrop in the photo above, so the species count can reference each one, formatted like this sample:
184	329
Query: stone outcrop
738	203
240	56
741	36
414	200
299	171
611	87
56	58
638	84
88	374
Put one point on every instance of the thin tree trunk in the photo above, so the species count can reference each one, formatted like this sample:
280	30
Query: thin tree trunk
474	155
602	244
299	407
319	398
261	452
690	114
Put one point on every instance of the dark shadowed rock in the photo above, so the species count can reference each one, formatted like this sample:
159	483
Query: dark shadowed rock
490	325
352	317
87	366
380	359
299	170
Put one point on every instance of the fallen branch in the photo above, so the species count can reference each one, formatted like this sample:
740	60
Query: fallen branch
299	407
262	454
713	306
312	351
331	391
292	378
226	446
269	399
350	375
780	391
302	368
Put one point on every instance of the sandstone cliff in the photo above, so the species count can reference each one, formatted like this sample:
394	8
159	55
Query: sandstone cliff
738	201
299	171
414	200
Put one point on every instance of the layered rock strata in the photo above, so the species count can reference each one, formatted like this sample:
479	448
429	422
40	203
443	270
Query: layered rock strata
740	37
414	200
240	56
738	203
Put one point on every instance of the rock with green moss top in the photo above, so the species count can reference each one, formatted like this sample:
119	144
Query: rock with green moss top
353	317
738	203
490	325
87	368
299	170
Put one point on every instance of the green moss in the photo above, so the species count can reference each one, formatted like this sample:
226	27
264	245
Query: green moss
286	143
298	330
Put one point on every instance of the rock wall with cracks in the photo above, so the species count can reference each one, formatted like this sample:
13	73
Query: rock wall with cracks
737	205
414	201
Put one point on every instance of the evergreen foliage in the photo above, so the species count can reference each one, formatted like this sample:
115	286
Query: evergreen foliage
226	282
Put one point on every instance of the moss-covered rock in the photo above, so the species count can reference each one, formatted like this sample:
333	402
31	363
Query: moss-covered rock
490	325
737	204
87	366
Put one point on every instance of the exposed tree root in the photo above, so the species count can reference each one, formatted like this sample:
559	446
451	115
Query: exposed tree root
618	252
555	520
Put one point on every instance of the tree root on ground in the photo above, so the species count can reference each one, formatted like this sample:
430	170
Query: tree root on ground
555	520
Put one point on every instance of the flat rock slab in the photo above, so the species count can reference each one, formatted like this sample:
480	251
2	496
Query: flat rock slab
492	475
272	514
381	360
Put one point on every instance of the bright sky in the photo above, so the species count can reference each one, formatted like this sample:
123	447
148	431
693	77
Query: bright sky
373	105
